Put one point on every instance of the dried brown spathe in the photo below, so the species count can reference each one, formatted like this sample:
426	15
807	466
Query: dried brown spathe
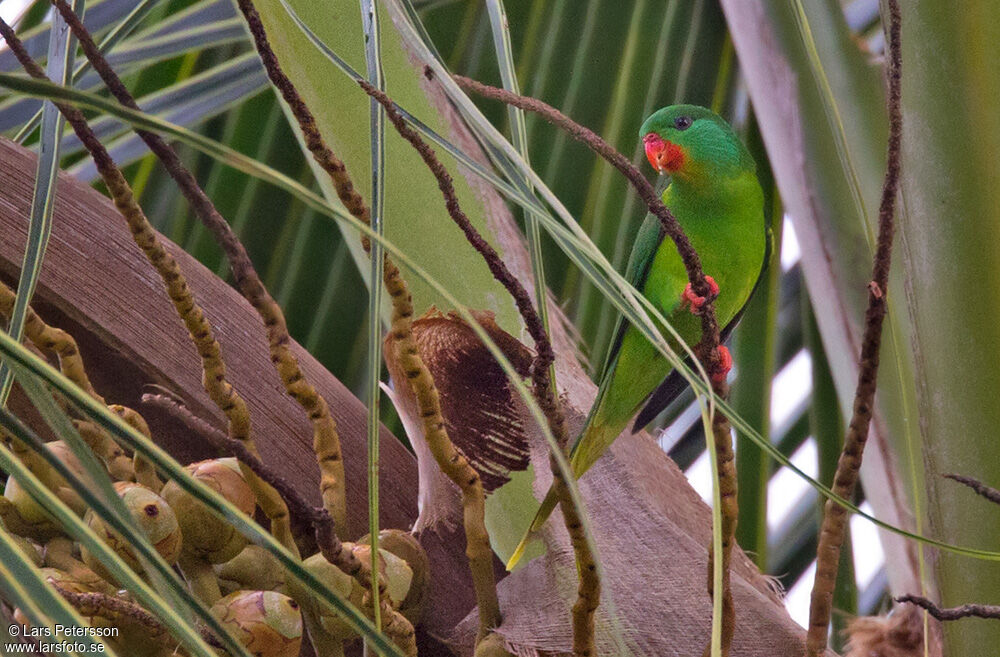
476	397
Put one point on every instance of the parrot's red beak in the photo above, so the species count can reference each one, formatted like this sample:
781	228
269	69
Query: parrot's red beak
663	155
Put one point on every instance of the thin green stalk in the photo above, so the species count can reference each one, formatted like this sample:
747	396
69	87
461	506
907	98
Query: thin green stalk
519	137
715	643
832	110
60	62
376	76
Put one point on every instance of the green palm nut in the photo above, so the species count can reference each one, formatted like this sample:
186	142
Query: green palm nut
253	568
397	573
206	536
67	581
343	584
405	545
394	570
38	523
155	518
28	549
266	623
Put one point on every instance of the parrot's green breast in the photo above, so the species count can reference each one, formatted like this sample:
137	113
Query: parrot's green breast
726	227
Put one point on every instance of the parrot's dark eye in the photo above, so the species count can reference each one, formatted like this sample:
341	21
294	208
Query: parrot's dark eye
682	122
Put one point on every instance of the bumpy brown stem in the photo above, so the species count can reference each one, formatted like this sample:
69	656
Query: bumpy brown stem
588	591
119	612
981	489
326	441
214	379
451	461
726	470
119	465
145	473
50	340
845	479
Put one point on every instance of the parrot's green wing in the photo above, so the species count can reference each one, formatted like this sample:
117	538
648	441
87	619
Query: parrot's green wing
675	383
647	241
640	260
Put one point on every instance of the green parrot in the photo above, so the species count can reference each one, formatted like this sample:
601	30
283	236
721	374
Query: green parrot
716	197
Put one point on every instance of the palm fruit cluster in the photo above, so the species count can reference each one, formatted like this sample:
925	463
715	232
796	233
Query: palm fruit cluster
243	584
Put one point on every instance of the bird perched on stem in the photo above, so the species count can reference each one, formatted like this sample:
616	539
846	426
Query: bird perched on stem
714	193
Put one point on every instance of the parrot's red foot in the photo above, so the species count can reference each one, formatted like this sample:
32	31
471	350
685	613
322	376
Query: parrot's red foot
695	302
725	364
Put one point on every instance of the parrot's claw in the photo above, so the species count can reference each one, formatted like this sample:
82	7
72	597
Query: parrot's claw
725	364
691	300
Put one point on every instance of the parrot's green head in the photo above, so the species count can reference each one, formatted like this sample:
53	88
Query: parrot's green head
693	144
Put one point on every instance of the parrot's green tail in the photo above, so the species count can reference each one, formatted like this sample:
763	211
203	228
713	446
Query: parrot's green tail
603	425
592	443
543	514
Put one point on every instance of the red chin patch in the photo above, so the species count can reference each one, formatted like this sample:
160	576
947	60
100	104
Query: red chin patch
663	155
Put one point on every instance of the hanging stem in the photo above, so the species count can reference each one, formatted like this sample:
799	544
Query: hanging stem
848	467
952	613
61	344
981	489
